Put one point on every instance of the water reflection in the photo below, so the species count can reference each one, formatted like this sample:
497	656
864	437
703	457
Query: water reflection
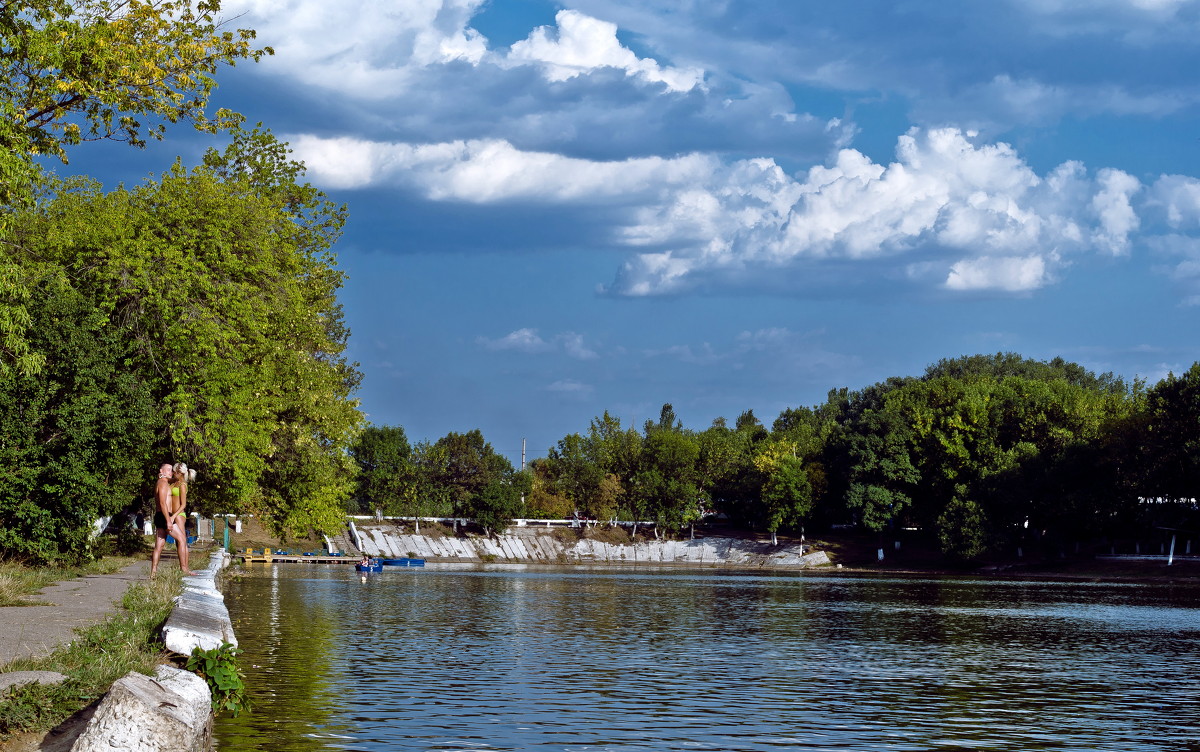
515	658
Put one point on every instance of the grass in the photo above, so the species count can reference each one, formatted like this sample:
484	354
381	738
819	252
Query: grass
129	640
17	582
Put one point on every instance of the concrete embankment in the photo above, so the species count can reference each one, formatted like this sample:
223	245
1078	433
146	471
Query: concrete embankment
532	545
171	710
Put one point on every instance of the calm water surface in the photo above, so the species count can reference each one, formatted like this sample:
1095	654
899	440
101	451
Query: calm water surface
589	660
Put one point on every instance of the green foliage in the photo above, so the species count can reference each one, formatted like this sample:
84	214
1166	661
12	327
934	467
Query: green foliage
465	465
112	69
1172	437
88	70
786	491
497	503
76	437
962	530
219	668
666	489
385	469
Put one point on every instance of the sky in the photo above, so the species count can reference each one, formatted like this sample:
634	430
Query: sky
562	209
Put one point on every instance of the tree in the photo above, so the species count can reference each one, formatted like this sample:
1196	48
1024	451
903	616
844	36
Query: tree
666	488
427	496
226	288
786	492
1172	435
468	466
385	470
75	439
666	420
112	69
962	529
617	451
725	472
872	454
494	507
544	500
79	70
577	473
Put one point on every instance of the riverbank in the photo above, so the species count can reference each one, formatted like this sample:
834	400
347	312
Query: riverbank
90	632
111	664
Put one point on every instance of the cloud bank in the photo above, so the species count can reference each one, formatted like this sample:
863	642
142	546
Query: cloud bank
948	211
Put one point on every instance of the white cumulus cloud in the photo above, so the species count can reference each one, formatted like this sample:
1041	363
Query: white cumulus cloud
1012	274
580	44
485	171
377	48
521	340
972	215
944	196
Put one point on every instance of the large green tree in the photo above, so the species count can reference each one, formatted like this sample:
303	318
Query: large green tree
385	470
77	70
223	281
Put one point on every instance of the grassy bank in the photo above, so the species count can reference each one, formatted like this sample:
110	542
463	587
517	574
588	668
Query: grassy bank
129	640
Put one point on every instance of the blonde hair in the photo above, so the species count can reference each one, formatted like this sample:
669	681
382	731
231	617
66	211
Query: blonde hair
181	470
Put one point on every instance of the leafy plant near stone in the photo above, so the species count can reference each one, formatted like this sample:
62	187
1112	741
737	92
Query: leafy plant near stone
226	681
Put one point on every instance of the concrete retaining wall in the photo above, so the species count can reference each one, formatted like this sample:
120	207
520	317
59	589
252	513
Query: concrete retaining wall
200	618
530	547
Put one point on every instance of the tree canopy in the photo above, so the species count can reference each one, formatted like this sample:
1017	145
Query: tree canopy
193	317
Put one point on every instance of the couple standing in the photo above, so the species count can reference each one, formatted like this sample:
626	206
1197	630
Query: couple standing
170	498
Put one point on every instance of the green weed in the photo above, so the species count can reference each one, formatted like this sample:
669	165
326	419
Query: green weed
225	679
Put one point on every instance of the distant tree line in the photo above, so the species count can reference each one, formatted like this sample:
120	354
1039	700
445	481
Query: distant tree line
979	453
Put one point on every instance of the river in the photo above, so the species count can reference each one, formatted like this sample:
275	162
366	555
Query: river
494	657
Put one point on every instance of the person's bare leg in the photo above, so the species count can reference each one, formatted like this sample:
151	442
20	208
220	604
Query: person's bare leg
180	533
160	540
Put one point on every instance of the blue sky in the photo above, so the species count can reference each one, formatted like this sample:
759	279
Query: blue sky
559	209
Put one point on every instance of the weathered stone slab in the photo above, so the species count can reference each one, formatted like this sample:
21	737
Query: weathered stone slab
380	541
367	546
170	711
200	619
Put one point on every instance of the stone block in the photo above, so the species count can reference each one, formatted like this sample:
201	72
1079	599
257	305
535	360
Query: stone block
171	711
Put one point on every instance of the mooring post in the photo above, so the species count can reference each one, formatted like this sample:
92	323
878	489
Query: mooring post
1171	556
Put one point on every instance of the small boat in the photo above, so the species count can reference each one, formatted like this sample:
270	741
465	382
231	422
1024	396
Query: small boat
402	562
372	567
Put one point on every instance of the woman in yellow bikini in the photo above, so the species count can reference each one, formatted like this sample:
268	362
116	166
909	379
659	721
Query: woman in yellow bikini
180	475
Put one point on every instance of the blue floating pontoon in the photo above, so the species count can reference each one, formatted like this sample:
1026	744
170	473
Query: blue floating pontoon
402	562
